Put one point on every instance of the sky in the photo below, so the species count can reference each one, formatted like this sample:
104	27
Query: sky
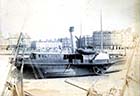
45	19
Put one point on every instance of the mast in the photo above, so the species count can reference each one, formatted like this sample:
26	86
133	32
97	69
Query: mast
80	34
101	30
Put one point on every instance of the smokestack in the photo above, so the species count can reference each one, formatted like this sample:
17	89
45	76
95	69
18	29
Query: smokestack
71	29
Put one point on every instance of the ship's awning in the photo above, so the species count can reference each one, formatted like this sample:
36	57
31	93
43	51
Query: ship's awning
102	56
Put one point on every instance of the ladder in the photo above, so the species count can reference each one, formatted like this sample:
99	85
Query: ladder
14	81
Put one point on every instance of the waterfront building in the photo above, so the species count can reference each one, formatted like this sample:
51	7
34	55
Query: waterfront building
94	41
11	41
47	45
66	42
85	42
13	38
111	39
3	43
127	38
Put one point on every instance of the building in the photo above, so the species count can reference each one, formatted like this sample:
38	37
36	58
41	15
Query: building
66	42
3	43
127	38
47	45
111	40
13	38
63	44
85	42
118	39
11	41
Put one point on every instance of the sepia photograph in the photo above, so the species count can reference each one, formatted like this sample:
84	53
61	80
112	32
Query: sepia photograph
69	47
